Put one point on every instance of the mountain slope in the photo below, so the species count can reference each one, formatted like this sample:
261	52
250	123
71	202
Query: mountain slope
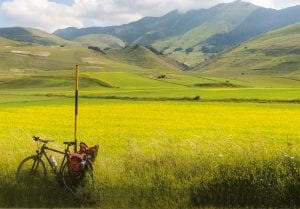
260	21
7	42
275	54
100	40
186	48
24	58
32	35
143	57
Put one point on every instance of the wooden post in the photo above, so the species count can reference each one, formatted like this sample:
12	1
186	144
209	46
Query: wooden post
76	106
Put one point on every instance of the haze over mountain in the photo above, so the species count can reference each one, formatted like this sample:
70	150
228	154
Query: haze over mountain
196	35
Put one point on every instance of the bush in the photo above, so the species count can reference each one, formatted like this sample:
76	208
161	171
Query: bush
162	76
197	98
96	49
189	50
177	49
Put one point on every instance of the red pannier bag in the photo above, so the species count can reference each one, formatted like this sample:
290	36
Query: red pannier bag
74	161
83	148
91	152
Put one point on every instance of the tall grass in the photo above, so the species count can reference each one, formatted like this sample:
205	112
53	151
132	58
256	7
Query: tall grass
170	179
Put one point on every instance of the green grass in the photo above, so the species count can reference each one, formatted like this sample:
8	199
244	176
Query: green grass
130	85
61	82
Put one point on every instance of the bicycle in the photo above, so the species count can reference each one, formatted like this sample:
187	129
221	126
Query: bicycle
32	170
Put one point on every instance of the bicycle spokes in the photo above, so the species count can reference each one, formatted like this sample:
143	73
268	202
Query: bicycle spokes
31	171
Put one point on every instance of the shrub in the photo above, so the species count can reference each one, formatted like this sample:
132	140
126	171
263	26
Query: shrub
96	49
189	50
177	49
162	76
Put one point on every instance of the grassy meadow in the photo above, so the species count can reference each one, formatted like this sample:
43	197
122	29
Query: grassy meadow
168	138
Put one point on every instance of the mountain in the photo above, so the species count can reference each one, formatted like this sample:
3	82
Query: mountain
187	47
196	35
273	54
100	40
144	31
260	21
32	35
150	29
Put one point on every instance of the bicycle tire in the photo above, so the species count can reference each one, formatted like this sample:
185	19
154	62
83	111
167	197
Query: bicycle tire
74	183
31	170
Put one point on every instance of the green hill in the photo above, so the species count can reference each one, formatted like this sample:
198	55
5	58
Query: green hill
143	57
274	54
100	40
7	43
20	58
62	82
33	36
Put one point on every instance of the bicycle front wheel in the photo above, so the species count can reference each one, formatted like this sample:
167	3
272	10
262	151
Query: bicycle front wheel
31	171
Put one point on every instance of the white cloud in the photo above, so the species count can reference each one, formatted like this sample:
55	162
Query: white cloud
285	3
263	3
39	13
49	15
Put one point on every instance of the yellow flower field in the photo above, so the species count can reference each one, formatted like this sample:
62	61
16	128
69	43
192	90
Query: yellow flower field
166	151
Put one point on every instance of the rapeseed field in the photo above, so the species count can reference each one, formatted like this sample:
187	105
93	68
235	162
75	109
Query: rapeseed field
161	154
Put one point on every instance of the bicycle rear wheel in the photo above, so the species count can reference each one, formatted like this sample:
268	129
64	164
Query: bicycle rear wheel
31	171
75	182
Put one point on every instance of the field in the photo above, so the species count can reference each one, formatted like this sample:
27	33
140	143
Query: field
169	138
161	154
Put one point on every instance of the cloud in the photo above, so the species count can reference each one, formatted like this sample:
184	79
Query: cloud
285	3
50	15
38	13
263	3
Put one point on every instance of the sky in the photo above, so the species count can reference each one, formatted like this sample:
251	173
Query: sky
50	15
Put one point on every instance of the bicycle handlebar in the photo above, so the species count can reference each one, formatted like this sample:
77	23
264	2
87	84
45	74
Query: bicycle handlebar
36	138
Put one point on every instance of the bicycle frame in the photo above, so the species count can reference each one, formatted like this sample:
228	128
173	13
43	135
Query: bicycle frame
41	152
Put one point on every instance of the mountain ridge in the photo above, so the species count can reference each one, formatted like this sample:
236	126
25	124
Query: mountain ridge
32	35
190	38
184	22
197	35
272	54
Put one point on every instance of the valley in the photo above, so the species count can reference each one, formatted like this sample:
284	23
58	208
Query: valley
196	109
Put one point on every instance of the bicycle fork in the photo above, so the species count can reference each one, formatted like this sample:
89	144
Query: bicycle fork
35	164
